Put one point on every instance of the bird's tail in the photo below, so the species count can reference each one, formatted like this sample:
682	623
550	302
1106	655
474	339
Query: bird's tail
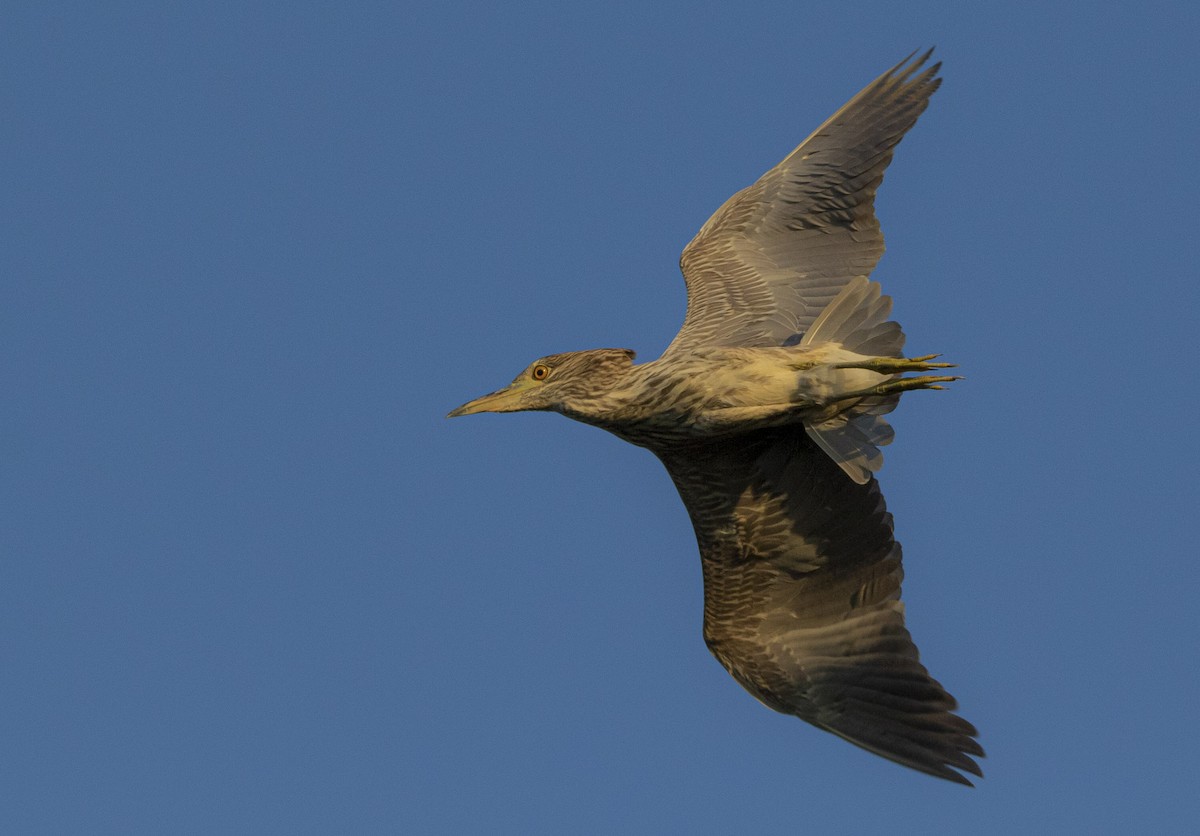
857	319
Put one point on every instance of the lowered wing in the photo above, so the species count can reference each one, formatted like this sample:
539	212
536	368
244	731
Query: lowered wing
802	598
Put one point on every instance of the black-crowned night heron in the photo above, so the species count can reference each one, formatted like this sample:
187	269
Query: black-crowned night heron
784	330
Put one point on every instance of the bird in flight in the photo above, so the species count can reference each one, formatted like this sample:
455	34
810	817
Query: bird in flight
767	411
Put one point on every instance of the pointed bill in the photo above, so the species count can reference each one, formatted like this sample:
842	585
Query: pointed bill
507	399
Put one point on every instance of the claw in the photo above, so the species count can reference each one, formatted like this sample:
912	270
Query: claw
924	360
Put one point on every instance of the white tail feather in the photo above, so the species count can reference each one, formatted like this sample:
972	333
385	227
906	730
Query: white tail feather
857	319
854	444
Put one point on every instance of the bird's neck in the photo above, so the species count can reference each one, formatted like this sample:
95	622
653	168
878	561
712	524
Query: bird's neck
616	402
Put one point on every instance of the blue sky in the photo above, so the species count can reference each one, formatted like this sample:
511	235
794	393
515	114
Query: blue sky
252	580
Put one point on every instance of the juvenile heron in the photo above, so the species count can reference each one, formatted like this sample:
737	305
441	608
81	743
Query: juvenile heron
784	330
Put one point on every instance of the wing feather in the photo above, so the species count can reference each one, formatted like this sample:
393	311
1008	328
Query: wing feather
768	261
802	603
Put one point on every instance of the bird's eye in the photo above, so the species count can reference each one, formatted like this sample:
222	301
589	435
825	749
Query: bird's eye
540	372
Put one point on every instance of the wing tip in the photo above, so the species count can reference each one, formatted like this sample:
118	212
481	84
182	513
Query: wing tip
945	756
911	64
904	73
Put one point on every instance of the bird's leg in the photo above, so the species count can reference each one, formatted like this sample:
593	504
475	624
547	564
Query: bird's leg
896	365
901	384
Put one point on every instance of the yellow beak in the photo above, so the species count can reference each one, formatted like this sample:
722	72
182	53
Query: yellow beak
506	400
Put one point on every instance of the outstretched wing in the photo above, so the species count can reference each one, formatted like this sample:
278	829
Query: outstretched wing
802	598
765	264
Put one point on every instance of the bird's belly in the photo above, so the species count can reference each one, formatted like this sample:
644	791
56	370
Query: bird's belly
786	377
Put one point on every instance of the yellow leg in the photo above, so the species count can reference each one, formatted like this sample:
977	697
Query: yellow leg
897	365
903	384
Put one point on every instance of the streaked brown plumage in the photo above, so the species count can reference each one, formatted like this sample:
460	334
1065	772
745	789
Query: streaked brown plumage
784	331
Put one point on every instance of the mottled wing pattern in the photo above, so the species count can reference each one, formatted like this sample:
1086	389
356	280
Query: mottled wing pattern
765	264
802	598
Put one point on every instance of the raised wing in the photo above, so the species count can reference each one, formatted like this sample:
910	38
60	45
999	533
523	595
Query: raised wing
764	265
802	598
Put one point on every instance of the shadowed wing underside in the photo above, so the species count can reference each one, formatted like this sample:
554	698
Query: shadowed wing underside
802	597
776	253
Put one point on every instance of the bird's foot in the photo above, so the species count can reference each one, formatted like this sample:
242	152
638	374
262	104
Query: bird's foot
905	384
898	365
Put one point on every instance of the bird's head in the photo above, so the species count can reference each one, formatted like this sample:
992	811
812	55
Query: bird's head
560	382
